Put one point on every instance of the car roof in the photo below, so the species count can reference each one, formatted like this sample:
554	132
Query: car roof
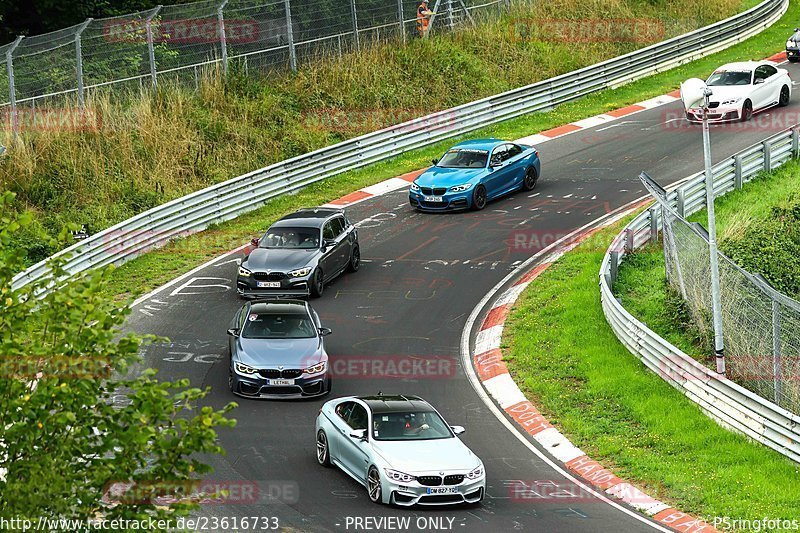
383	403
481	144
313	217
743	65
278	307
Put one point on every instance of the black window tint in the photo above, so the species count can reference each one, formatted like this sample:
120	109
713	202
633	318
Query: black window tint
770	70
327	231
500	154
761	72
343	410
358	417
338	225
513	150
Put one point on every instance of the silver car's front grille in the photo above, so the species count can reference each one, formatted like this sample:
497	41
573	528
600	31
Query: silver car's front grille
430	481
453	479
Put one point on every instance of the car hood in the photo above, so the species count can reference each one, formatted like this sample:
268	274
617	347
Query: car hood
419	456
722	92
278	259
448	177
289	353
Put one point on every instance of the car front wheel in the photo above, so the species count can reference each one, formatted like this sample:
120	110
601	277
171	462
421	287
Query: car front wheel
479	198
747	111
374	485
784	100
355	259
317	284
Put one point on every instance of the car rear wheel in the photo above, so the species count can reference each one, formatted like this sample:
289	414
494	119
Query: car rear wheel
323	452
747	111
231	384
784	101
479	198
355	260
374	485
530	179
317	284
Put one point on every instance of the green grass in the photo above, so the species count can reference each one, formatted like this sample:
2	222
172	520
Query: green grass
155	268
567	361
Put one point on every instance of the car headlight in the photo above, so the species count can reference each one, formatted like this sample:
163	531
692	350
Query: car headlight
790	44
462	187
476	473
244	272
414	186
245	369
396	475
316	369
300	272
732	101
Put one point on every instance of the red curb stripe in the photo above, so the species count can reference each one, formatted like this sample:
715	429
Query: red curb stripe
497	316
533	274
411	176
592	471
561	130
350	198
780	56
528	417
490	364
625	111
682	522
676	93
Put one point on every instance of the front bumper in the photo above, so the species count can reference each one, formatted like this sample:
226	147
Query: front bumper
718	114
247	287
407	495
304	387
793	53
450	201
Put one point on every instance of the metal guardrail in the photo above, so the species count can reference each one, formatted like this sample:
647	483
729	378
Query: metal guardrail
234	197
723	400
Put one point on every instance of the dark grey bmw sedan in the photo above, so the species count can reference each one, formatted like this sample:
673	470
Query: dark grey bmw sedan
299	254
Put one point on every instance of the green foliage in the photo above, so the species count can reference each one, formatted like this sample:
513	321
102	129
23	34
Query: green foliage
63	363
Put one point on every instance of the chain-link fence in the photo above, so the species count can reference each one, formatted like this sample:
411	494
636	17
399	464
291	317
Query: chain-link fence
177	41
761	326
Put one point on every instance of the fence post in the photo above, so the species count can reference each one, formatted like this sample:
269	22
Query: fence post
355	22
290	36
150	50
767	155
681	202
12	93
450	22
653	224
400	19
795	143
737	172
776	349
79	58
223	41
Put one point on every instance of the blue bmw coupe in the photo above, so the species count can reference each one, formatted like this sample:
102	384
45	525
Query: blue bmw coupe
473	172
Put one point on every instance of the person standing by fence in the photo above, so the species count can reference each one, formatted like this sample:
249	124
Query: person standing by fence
423	18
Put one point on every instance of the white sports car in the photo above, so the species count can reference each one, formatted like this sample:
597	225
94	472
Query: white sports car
400	449
741	89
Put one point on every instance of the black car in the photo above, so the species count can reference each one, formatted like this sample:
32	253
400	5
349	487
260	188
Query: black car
277	351
299	254
793	46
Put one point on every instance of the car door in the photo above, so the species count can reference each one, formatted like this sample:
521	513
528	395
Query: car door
331	256
353	451
773	83
762	89
344	245
495	180
516	165
342	413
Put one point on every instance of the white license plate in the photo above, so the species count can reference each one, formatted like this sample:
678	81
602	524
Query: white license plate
433	198
280	382
268	284
442	490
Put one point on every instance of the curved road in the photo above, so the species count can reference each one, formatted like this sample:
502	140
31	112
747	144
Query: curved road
421	277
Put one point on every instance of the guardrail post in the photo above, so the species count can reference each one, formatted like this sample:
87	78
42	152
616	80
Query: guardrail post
681	202
614	267
150	50
628	240
402	23
795	143
737	172
767	155
290	36
776	349
79	63
450	22
354	15
223	41
12	93
653	224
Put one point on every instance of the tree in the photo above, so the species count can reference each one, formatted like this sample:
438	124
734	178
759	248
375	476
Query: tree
63	440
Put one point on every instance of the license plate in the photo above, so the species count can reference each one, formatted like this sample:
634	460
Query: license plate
280	382
433	199
268	284
442	490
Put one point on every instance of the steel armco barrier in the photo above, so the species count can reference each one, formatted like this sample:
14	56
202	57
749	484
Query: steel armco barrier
229	199
729	404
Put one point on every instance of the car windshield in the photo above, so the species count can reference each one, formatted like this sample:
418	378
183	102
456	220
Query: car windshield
297	238
463	158
409	425
278	326
739	77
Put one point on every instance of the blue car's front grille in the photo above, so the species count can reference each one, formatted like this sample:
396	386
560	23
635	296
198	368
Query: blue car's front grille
436	191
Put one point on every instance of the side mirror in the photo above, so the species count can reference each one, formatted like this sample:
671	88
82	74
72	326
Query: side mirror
255	241
324	332
458	430
434	161
759	81
359	434
327	243
233	332
797	29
